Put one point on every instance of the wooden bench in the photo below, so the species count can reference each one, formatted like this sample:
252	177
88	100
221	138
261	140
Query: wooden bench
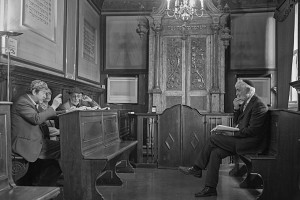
91	148
277	170
8	189
19	167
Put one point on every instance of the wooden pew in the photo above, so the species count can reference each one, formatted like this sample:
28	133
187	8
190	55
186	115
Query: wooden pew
278	170
19	167
8	189
91	148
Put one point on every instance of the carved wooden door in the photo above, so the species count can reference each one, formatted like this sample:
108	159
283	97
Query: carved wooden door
185	77
187	61
181	136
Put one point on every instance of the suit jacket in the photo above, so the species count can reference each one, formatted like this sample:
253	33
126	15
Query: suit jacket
67	105
27	137
253	126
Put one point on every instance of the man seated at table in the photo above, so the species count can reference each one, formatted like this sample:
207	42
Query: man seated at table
78	100
28	139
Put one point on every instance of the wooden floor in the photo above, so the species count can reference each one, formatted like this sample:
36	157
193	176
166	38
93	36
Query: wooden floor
167	184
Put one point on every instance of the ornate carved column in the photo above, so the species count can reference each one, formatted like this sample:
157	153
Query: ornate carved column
215	92
156	27
215	26
155	21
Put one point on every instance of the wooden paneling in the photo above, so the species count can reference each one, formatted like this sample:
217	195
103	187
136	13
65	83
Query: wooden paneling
169	137
281	173
21	78
86	165
4	141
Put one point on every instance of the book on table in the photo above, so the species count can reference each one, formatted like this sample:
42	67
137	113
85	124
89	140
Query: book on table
224	128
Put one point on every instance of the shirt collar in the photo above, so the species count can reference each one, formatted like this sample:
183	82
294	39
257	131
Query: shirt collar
249	99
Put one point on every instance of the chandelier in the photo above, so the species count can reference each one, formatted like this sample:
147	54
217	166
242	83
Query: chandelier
185	9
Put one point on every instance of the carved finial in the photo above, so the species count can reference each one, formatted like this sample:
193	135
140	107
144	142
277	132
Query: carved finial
225	36
226	8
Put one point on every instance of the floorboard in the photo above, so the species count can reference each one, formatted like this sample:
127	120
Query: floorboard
168	184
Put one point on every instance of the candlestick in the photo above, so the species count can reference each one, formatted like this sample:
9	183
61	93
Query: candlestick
8	34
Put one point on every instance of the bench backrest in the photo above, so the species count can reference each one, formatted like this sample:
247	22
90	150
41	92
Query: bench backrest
270	143
88	130
5	146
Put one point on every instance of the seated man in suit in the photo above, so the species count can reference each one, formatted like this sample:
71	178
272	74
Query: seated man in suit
28	139
249	117
78	100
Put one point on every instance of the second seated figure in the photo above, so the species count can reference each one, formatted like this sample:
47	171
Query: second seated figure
78	101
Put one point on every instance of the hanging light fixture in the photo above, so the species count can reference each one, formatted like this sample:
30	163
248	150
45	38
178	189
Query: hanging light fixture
185	9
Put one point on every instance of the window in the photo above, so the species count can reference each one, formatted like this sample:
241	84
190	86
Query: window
293	97
122	90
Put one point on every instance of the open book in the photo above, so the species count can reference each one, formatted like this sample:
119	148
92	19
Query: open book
224	128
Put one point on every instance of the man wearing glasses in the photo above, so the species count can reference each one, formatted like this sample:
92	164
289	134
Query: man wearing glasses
78	100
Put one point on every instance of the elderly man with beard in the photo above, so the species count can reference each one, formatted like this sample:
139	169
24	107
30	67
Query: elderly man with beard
249	118
77	100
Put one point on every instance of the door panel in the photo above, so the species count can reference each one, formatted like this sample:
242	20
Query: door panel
193	134
169	138
181	136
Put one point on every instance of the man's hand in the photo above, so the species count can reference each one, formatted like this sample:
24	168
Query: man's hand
56	101
220	132
87	98
236	103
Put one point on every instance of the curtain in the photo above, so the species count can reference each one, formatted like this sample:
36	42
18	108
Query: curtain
285	41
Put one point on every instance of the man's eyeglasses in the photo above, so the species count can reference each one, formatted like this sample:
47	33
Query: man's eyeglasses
77	96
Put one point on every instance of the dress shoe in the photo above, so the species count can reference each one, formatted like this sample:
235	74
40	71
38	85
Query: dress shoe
206	192
190	171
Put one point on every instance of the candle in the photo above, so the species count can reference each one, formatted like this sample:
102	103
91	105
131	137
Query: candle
176	3
168	7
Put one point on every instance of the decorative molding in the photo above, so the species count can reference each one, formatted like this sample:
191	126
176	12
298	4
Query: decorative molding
174	65
283	11
156	25
158	6
21	78
188	27
251	4
130	5
225	36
